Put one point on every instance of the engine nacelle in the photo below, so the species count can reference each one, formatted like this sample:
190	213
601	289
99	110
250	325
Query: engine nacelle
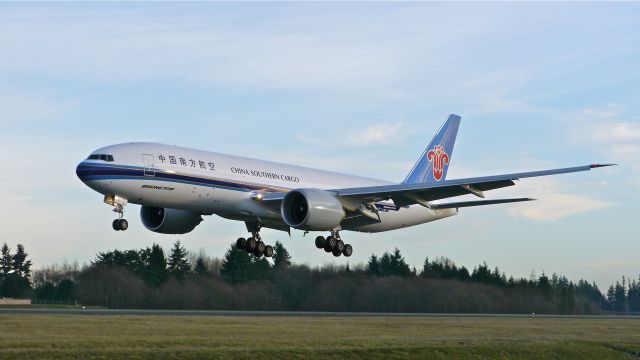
312	209
169	221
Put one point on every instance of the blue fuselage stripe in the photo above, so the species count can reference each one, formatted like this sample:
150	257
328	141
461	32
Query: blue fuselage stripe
89	172
117	172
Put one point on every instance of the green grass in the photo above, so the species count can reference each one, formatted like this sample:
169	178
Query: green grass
191	337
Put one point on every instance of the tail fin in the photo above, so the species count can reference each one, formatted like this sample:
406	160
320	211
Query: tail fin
433	163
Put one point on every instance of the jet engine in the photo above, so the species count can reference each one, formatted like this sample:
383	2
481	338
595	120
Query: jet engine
312	209
169	221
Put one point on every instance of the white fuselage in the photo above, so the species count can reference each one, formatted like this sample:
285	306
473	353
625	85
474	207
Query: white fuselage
211	183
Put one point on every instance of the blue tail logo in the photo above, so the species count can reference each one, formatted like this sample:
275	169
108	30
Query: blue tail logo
432	165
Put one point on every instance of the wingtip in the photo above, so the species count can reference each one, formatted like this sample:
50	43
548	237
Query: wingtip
593	166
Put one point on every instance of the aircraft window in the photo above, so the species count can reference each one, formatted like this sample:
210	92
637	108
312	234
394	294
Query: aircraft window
103	157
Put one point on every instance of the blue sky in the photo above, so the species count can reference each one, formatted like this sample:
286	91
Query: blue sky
353	87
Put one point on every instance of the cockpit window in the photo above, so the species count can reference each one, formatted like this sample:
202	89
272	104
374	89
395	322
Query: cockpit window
103	157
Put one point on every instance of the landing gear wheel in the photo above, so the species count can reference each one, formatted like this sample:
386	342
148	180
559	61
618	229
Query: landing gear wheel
241	243
330	244
251	246
320	241
347	251
268	251
120	224
260	249
336	253
339	246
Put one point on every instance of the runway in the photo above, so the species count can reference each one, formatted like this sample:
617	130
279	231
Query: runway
140	312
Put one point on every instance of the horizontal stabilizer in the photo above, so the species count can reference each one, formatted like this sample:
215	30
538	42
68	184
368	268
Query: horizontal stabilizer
455	205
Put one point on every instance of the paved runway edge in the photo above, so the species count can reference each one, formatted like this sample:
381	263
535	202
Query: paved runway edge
139	312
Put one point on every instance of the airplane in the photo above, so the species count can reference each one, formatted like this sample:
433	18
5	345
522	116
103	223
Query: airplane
176	186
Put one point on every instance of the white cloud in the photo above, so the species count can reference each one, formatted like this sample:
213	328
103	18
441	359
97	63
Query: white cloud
375	134
612	129
557	206
554	201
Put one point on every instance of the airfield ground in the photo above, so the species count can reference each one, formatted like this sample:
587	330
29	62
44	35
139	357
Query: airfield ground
45	336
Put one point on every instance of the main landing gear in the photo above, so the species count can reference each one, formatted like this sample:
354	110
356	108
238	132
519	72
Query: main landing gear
255	246
334	245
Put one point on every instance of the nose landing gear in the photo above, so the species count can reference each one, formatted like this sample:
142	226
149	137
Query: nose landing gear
118	204
120	224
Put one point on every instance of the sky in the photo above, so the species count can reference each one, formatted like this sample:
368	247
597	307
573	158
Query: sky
357	88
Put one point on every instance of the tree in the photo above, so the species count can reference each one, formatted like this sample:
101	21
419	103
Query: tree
236	266
128	259
373	267
21	266
281	257
620	297
481	274
260	269
5	261
633	296
611	298
178	264
155	271
398	265
201	267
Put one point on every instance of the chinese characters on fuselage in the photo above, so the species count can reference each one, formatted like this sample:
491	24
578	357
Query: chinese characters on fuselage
173	160
197	163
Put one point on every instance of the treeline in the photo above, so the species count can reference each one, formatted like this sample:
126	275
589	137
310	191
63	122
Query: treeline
15	272
148	278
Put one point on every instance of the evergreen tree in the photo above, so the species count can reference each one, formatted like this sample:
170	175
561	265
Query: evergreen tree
5	261
260	268
481	274
236	266
155	266
545	286
373	267
201	267
426	268
178	264
385	264
131	260
281	257
398	266
463	274
620	297
611	298
633	296
21	266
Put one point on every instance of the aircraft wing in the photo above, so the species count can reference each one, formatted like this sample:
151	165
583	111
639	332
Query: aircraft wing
423	193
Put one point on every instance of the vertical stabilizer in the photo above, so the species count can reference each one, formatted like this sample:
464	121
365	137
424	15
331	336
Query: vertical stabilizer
432	165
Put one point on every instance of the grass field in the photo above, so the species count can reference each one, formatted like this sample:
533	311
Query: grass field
190	337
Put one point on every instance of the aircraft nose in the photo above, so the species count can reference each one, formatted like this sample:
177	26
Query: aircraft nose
81	171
